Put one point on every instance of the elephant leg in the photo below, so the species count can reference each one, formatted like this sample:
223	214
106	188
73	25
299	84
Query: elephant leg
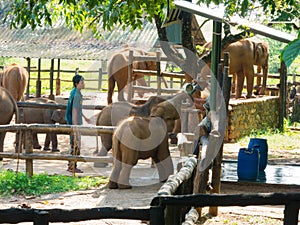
176	130
123	182
114	175
141	82
129	159
19	142
164	161
36	144
233	87
165	168
47	142
264	84
106	145
239	84
54	142
121	94
249	73
2	136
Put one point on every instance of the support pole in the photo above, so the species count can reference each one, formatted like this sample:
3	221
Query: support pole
58	78
29	149
38	82
51	96
129	80
158	73
282	95
28	84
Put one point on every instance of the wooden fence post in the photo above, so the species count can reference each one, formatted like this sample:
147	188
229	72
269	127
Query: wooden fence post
28	84
28	149
129	81
58	78
51	96
158	73
38	81
100	77
282	95
41	218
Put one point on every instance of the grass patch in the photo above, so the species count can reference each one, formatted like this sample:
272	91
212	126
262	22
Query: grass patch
12	183
288	140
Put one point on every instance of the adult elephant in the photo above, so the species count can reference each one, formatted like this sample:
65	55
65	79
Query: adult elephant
144	137
14	78
44	116
118	71
8	108
112	114
243	55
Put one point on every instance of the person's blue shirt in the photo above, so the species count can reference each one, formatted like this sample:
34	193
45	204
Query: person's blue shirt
75	101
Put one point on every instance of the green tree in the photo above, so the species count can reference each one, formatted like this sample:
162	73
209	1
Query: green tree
106	14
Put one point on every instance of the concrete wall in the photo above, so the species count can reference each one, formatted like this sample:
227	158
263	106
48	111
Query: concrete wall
251	114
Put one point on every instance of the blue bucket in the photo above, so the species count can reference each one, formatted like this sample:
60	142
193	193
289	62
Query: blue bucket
262	146
248	163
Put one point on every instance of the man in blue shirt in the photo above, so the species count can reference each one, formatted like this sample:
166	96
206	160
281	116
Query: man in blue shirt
74	117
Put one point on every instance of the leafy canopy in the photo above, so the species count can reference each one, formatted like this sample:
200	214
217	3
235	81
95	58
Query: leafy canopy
106	14
83	14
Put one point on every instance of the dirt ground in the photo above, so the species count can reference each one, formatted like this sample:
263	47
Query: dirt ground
145	185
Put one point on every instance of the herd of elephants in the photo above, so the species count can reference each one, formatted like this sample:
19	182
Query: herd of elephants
142	130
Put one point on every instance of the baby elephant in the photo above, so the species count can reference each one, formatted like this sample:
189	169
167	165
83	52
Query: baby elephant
144	137
44	116
112	114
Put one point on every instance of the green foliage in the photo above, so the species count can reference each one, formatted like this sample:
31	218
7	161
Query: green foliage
12	183
291	51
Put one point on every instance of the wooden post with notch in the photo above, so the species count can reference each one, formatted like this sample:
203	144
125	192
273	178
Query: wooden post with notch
129	80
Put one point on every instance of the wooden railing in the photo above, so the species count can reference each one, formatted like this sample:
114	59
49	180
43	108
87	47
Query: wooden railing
173	205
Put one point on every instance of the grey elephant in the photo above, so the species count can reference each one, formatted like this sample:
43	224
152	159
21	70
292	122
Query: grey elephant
44	116
112	114
144	137
8	108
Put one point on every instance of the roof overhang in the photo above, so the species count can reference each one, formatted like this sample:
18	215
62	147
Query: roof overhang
254	27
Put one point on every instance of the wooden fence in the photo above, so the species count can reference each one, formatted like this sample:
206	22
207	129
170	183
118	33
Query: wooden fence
173	205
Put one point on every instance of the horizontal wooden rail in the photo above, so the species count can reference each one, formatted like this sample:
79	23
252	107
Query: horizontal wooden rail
58	128
55	106
43	156
152	89
14	215
203	200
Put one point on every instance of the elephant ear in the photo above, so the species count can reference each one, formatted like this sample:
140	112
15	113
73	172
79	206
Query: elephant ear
56	116
157	111
259	52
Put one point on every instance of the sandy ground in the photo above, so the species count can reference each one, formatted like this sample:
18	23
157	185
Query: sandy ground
143	178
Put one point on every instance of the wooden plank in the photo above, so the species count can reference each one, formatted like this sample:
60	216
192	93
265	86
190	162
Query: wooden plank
253	27
51	156
203	200
56	106
84	130
152	89
73	215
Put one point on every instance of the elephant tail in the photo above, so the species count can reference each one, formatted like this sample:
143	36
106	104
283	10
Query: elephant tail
111	83
16	109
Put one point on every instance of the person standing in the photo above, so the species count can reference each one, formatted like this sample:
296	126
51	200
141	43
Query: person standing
74	117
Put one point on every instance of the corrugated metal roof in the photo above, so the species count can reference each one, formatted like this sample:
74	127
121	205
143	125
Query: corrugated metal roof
61	42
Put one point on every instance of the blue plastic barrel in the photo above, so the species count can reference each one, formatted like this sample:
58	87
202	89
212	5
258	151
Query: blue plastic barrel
248	163
262	146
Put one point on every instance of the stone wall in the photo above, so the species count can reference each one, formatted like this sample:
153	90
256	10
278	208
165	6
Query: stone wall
251	114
